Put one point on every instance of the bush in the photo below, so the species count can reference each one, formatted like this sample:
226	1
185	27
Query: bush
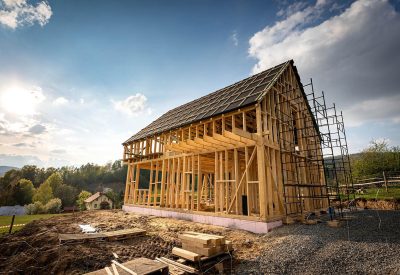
104	205
83	195
35	208
53	206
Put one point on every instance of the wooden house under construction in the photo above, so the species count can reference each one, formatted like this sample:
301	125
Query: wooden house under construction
250	151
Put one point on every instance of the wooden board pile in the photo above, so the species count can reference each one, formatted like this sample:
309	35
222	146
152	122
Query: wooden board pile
197	246
139	266
117	235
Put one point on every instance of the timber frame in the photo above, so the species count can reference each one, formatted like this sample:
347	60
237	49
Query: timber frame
242	163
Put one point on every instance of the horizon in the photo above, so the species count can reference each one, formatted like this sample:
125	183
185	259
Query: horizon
78	79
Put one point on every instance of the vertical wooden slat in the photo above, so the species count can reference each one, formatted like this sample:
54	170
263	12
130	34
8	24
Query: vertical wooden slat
236	167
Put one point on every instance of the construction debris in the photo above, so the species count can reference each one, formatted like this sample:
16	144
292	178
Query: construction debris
87	228
139	266
105	236
181	267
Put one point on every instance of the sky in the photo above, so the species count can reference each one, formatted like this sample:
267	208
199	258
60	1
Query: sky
78	78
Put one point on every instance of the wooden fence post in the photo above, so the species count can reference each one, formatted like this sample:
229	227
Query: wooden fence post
12	223
385	181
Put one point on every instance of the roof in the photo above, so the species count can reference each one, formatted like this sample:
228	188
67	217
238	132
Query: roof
93	197
238	95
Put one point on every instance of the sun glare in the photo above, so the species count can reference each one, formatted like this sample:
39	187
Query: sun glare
21	101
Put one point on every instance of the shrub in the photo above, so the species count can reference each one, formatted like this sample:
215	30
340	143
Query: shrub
35	208
53	206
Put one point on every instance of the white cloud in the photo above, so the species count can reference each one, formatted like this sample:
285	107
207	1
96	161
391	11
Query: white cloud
13	3
376	110
60	101
353	55
132	105
17	13
234	38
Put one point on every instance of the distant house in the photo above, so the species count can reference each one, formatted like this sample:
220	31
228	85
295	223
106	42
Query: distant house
95	200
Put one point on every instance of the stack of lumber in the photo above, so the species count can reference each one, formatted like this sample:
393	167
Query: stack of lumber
196	246
108	236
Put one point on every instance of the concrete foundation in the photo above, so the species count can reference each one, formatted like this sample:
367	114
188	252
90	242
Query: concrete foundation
244	224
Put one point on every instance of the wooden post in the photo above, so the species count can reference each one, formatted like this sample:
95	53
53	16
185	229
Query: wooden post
11	224
262	183
226	183
199	180
246	157
156	185
128	183
385	180
150	184
216	182
162	183
184	183
136	184
193	183
236	164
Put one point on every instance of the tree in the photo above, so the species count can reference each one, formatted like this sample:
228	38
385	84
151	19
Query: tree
67	194
115	197
83	195
55	181
23	191
44	193
9	179
375	159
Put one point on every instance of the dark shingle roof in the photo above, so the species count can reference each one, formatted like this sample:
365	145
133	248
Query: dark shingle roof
238	95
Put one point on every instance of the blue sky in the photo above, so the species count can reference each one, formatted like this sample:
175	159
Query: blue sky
77	78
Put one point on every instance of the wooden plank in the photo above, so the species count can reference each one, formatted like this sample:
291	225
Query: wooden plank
203	251
182	266
112	235
188	255
191	238
124	267
114	268
107	269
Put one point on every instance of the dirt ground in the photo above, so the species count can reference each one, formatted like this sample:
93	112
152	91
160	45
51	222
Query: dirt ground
368	242
36	250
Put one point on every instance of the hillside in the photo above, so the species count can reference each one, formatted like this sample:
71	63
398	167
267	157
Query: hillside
4	169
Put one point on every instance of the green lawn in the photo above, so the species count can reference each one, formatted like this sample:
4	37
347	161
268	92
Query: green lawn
24	219
371	193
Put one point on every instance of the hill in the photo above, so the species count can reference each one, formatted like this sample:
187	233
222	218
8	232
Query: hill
5	169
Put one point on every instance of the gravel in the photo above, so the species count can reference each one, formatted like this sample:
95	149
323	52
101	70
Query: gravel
367	243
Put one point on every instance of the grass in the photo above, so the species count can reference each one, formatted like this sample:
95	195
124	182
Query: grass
24	219
371	193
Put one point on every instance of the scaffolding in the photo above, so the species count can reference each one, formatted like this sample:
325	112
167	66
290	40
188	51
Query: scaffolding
314	153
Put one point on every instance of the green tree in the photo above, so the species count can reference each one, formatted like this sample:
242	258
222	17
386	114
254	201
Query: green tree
55	181
68	194
116	198
44	193
83	195
375	159
23	191
6	187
